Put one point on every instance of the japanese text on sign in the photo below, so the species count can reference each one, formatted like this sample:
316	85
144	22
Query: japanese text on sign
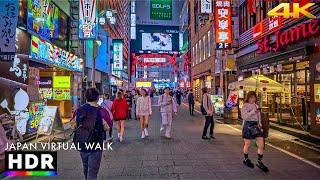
8	24
87	19
223	24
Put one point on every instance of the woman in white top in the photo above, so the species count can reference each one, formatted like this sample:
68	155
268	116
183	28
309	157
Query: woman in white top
144	111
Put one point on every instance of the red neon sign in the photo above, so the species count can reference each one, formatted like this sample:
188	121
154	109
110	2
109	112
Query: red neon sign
288	37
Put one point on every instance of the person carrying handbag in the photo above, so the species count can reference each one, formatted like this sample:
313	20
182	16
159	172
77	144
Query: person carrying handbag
252	129
207	109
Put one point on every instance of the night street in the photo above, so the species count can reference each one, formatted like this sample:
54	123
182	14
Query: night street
186	156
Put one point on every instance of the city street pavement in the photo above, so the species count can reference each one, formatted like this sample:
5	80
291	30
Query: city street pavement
185	156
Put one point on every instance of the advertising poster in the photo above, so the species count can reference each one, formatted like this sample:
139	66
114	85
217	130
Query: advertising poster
35	115
318	115
8	24
317	93
218	103
46	93
161	9
317	72
88	16
61	94
117	56
223	24
43	18
46	122
232	100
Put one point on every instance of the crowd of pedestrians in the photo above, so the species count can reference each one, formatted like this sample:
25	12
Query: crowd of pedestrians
95	121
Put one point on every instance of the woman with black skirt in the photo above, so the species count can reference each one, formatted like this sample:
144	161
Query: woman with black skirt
252	129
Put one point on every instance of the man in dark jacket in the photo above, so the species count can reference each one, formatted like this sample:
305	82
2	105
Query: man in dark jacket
191	102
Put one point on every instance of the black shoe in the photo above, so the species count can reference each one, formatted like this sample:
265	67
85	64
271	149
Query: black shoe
248	163
262	166
212	137
205	138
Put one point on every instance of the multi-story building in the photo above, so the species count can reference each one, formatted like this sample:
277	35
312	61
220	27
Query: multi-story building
202	50
286	51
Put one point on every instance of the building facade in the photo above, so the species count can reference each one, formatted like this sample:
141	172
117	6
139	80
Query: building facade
287	51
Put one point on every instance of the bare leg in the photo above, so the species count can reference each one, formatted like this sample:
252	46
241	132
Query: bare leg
247	143
142	122
260	143
122	127
146	121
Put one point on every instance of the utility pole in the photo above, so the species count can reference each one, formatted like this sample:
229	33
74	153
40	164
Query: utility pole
96	44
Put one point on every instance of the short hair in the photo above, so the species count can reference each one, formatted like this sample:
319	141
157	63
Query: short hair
167	88
120	94
107	95
249	95
92	94
204	90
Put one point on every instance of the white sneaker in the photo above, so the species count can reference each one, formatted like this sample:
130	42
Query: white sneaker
143	135
146	132
118	135
120	138
161	129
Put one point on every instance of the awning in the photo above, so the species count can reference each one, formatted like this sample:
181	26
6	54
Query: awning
258	83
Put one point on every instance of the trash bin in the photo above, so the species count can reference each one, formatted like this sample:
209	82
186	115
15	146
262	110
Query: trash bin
265	124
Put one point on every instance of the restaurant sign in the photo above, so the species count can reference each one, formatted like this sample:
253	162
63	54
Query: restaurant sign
223	24
44	51
285	38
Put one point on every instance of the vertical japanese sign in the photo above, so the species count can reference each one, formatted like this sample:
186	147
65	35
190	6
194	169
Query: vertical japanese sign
223	24
117	56
88	19
161	9
206	6
8	24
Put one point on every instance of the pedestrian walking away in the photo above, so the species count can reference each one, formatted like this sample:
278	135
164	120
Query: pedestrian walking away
119	110
129	99
89	129
191	102
178	96
168	106
252	129
135	97
144	111
107	104
207	109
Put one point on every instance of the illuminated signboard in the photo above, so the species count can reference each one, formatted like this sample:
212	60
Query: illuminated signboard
161	9
257	30
61	94
61	82
143	84
223	24
206	6
44	51
154	60
43	18
275	22
87	19
117	55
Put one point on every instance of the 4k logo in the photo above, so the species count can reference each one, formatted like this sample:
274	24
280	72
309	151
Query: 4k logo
297	10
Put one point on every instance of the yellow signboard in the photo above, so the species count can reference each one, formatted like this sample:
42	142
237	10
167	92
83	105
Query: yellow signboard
143	84
61	81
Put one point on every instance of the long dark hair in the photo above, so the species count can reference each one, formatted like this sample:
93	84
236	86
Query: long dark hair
251	94
144	91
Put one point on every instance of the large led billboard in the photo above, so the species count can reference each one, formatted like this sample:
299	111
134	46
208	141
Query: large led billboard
157	41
